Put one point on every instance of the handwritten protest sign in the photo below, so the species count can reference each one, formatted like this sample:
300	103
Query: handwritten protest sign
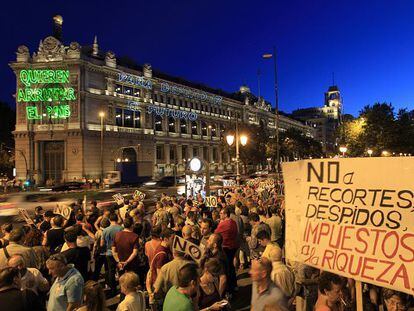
63	210
138	195
25	216
184	246
229	183
353	217
211	201
119	199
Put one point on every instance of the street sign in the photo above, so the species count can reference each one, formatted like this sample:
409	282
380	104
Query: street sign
211	201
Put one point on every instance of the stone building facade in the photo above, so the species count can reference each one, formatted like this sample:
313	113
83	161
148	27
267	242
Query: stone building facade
67	96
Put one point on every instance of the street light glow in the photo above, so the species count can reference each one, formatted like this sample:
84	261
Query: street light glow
343	149
243	140
267	55
369	151
230	139
195	164
101	114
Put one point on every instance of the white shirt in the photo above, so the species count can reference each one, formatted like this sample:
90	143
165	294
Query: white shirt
132	302
34	280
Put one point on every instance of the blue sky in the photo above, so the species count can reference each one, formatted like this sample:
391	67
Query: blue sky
368	44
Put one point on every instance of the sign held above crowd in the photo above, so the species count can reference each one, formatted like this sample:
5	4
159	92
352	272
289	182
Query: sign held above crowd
353	217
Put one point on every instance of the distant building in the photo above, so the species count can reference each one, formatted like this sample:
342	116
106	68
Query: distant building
67	95
325	120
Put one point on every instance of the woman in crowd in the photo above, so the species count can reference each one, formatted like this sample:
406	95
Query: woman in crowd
209	282
94	297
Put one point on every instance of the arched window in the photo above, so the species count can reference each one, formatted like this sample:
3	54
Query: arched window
171	125
158	123
129	155
183	126
204	128
194	130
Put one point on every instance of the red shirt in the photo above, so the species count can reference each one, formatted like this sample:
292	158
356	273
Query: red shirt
228	230
124	243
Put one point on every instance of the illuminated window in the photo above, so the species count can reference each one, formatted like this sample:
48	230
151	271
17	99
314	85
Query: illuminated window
183	126
137	119
128	118
171	125
136	92
158	123
128	90
118	88
213	130
203	128
194	128
118	116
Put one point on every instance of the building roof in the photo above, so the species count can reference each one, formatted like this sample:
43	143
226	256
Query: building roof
333	88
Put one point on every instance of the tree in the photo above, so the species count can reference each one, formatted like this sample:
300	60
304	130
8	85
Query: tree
295	144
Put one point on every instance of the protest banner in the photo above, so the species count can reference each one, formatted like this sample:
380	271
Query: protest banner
229	183
211	201
25	216
353	217
138	195
119	199
63	210
191	249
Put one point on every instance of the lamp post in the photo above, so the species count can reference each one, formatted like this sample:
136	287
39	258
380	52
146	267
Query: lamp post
369	151
268	56
343	149
243	140
102	115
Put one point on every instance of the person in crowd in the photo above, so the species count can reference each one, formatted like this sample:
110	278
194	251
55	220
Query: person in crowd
168	274
275	224
124	210
160	215
67	289
125	247
264	291
38	215
263	237
30	278
78	256
228	229
12	298
187	234
395	301
45	224
108	237
15	246
107	210
54	237
162	255
134	298
5	230
254	246
93	297
209	283
281	275
214	250
99	252
138	217
329	286
206	227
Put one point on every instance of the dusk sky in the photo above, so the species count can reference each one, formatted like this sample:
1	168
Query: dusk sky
368	44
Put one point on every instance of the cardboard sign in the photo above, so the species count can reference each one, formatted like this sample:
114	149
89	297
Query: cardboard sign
353	217
25	215
229	183
211	201
191	249
119	199
138	195
63	210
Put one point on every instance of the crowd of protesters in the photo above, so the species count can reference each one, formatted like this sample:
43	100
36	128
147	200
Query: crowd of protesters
122	257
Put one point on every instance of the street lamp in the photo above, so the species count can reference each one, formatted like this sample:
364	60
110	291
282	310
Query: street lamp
268	56
102	115
343	149
370	152
385	153
243	140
